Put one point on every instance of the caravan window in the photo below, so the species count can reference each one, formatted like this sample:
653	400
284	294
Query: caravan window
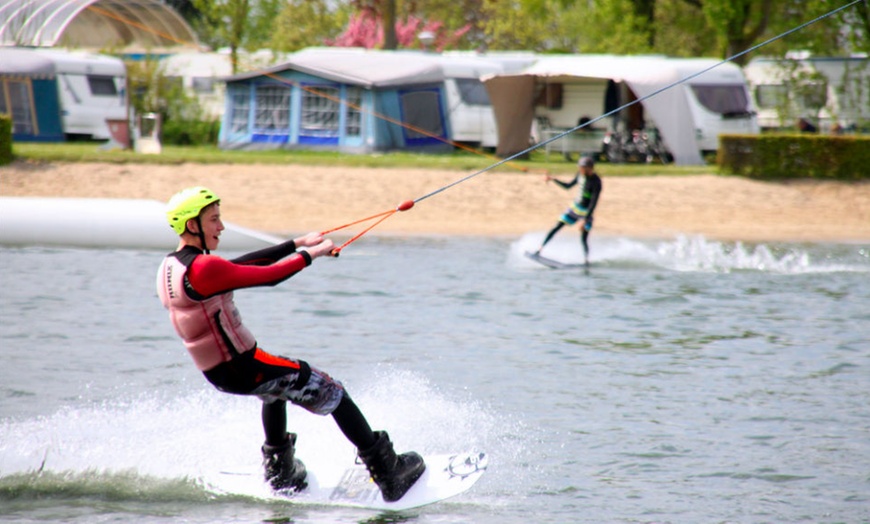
203	84
725	99
472	92
771	96
813	95
320	109
102	85
16	99
272	108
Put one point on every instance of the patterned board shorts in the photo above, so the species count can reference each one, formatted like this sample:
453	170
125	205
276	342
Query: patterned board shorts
575	213
320	395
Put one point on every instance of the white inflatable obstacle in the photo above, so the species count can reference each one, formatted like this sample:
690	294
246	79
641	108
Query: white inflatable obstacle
104	222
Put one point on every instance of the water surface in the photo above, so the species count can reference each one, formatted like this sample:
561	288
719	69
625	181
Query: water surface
673	381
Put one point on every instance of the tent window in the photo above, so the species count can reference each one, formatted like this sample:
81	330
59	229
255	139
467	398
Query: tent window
472	92
240	108
421	110
102	85
354	116
320	111
16	98
272	108
771	96
723	99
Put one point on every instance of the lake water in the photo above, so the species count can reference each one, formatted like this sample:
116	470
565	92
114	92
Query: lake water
681	380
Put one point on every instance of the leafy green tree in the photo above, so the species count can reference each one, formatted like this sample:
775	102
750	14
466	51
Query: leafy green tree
836	35
682	30
237	24
613	26
519	24
738	24
572	26
645	11
859	22
308	23
673	27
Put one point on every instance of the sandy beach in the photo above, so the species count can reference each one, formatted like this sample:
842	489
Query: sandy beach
291	199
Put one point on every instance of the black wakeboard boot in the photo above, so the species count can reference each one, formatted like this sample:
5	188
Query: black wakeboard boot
283	470
394	474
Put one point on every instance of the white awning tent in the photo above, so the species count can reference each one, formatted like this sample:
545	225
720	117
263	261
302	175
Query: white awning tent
513	95
136	25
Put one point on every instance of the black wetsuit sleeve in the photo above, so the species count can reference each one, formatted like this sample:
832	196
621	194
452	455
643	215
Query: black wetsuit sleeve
268	255
567	185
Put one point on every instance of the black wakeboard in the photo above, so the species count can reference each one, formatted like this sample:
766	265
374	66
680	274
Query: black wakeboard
552	264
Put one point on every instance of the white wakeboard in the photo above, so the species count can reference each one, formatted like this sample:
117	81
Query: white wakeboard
445	477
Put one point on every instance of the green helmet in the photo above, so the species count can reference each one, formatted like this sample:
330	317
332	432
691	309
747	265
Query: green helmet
186	204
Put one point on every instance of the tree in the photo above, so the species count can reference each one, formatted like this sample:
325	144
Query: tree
389	24
835	35
681	30
237	24
738	24
645	10
672	27
517	24
615	26
366	27
861	34
307	23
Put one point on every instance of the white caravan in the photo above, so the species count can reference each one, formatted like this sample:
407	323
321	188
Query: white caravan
93	92
824	90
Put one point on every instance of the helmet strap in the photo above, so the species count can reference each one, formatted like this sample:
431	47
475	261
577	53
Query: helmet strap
202	236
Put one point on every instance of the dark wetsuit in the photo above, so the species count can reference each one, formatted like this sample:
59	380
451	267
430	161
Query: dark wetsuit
583	207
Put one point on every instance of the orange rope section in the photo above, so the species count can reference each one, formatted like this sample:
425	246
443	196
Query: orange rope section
404	206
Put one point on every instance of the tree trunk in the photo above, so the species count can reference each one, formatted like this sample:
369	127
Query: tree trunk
388	16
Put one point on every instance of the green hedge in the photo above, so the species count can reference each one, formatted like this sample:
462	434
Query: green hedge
5	140
190	132
795	156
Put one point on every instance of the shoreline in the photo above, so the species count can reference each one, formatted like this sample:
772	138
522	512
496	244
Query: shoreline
292	199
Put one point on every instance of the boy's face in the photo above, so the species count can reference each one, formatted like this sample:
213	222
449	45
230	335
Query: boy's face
211	226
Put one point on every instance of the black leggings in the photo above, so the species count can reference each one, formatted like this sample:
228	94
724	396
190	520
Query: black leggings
347	415
584	236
